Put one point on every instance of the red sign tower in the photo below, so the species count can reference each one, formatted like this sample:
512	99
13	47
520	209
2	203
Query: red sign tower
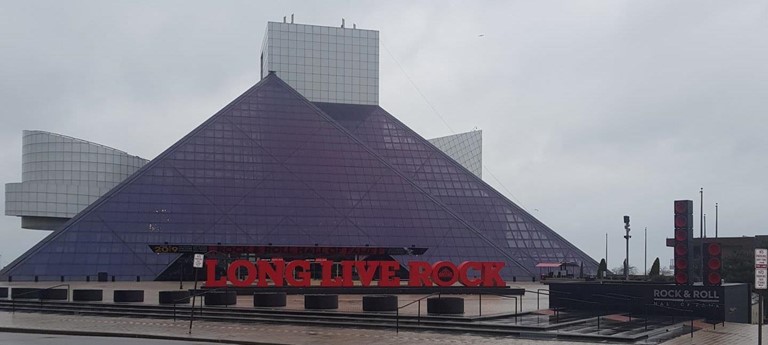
683	242
713	264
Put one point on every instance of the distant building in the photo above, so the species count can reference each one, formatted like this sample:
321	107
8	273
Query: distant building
465	148
325	64
309	161
728	245
61	175
733	249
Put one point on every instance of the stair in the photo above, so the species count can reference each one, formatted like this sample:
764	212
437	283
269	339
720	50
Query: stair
571	326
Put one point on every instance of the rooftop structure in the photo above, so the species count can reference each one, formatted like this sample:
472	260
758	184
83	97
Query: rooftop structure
62	175
274	168
307	161
325	64
465	148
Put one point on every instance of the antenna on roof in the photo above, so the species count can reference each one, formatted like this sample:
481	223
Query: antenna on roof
291	18
342	23
284	19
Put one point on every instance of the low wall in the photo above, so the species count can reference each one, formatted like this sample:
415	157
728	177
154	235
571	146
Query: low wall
729	302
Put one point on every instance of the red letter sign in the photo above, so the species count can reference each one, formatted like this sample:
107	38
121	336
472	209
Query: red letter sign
233	269
210	269
300	268
464	268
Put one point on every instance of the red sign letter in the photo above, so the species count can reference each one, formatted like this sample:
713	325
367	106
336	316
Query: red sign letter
491	275
327	267
275	273
388	270
346	273
464	268
444	273
210	269
366	270
233	269
293	269
419	273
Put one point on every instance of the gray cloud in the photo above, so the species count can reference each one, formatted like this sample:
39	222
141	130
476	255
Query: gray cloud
590	110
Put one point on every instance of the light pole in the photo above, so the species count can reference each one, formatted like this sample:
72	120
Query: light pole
606	250
716	214
627	237
701	234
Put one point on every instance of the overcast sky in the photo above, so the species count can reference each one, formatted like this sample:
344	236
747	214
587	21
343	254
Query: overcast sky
590	110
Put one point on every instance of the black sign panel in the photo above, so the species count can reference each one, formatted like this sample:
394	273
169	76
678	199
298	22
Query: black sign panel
728	302
285	251
699	300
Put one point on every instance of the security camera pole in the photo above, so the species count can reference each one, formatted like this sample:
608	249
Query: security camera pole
627	237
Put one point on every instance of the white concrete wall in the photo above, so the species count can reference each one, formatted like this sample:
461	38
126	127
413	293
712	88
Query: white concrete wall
465	148
325	64
62	175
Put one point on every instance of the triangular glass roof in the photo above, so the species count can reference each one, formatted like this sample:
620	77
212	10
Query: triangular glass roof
494	220
271	167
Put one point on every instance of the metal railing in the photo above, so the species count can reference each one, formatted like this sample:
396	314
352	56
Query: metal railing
480	303
193	296
557	310
418	315
688	311
645	306
538	293
37	291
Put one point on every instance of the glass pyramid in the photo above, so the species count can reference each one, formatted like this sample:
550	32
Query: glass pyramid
271	167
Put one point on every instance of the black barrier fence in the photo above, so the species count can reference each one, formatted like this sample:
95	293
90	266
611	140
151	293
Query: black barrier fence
604	304
714	303
321	301
271	299
545	292
173	297
87	295
128	296
380	303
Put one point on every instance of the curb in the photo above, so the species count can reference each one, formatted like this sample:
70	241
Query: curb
130	335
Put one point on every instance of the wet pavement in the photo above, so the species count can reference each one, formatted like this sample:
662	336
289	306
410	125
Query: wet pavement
58	339
63	327
242	333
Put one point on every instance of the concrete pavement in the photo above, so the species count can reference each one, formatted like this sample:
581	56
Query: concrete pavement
238	333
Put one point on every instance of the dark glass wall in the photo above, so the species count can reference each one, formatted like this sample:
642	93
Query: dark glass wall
273	168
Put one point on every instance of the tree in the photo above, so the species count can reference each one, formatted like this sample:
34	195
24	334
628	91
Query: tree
655	273
655	269
601	268
666	272
620	270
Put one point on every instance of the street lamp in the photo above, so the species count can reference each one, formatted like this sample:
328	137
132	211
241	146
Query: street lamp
627	237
